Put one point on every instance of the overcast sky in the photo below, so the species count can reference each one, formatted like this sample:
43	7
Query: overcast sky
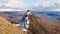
38	5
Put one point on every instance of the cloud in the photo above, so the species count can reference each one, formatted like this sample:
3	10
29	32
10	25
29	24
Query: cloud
8	9
52	5
38	5
15	3
3	2
46	3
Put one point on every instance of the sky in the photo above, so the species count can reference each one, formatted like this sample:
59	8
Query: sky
35	5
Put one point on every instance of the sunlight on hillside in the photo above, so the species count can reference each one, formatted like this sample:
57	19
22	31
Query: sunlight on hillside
7	28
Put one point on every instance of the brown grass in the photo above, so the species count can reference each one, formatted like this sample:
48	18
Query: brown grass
7	28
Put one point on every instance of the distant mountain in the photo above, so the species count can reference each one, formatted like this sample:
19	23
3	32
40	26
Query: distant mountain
51	15
13	17
16	17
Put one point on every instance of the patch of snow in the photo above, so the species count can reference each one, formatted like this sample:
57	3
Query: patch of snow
27	21
24	29
28	13
26	18
27	26
16	24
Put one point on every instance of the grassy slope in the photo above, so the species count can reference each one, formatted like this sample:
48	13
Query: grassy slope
7	28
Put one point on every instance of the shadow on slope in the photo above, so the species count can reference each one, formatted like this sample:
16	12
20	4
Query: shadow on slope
43	25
